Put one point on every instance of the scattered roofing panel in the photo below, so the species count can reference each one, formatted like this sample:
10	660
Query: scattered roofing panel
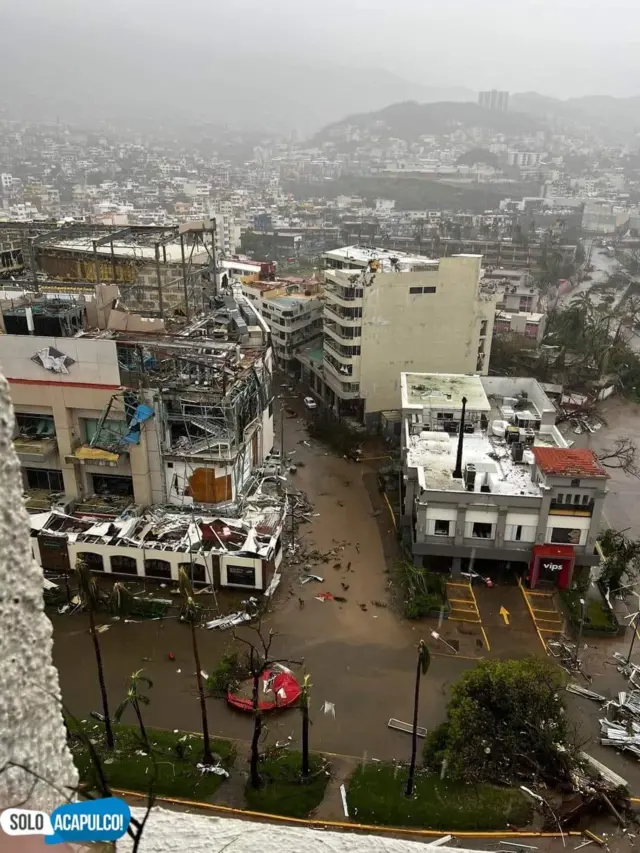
565	462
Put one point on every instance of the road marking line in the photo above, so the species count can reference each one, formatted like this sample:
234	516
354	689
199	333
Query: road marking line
484	633
533	618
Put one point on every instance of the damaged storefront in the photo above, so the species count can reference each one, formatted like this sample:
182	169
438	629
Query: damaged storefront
242	552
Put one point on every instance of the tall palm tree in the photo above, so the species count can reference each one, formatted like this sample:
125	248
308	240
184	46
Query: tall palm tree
89	596
304	707
133	699
424	660
190	613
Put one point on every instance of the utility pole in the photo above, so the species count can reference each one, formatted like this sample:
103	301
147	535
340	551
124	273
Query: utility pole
282	434
159	282
184	278
293	524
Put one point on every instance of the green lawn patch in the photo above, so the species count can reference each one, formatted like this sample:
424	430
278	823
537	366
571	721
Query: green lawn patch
284	792
598	616
131	768
376	795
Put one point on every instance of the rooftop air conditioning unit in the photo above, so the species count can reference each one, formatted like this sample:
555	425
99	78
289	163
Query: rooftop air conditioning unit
470	477
517	451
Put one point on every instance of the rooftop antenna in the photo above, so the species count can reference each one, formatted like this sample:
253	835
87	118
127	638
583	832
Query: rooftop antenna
457	472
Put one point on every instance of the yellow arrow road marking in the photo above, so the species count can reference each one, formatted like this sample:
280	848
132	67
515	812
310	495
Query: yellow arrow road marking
505	614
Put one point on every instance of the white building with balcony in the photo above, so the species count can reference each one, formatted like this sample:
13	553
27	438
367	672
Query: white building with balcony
388	312
488	477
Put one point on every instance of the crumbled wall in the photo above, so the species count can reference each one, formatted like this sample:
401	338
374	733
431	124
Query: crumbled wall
32	732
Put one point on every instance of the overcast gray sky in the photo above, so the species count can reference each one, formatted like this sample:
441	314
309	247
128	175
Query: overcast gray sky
556	47
561	47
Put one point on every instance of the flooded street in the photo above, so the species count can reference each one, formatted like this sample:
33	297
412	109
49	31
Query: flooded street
360	660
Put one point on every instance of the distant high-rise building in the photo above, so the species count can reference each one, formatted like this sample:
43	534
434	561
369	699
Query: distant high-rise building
494	100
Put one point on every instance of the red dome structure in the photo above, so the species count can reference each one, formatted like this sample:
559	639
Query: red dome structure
279	688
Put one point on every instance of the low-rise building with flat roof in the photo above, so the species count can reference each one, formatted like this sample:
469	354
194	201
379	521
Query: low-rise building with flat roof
488	477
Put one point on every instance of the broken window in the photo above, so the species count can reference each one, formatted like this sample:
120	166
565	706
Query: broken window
195	571
123	565
105	485
565	536
441	528
44	478
91	560
157	569
111	430
482	530
241	575
38	426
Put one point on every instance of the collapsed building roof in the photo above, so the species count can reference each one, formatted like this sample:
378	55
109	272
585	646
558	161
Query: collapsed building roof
254	532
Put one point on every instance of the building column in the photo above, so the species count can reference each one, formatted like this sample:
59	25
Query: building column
65	437
596	517
456	567
543	518
460	523
501	526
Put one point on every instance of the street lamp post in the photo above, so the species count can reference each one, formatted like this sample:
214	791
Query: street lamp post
583	613
634	625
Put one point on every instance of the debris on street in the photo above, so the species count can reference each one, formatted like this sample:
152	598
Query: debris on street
306	578
582	691
230	621
324	596
401	726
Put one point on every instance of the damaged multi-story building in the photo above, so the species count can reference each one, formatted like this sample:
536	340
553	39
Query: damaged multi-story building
118	412
159	269
386	312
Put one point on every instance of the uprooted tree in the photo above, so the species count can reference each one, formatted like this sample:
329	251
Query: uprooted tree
506	722
621	563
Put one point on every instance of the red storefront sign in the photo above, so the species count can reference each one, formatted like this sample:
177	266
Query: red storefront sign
552	563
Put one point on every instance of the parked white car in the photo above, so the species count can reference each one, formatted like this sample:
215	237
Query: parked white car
310	403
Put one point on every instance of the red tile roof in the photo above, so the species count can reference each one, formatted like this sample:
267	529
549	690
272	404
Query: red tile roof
567	462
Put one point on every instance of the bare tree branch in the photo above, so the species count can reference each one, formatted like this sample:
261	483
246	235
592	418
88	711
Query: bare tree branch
622	455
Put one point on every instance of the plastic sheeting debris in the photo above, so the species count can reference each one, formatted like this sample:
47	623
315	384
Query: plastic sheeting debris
229	621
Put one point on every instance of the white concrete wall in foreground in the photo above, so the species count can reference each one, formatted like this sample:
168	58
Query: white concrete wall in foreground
32	732
169	831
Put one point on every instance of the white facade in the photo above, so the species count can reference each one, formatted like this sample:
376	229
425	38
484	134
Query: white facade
295	321
518	484
387	312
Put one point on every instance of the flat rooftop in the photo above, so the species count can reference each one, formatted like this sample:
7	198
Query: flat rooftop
361	255
433	454
443	390
125	249
292	300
